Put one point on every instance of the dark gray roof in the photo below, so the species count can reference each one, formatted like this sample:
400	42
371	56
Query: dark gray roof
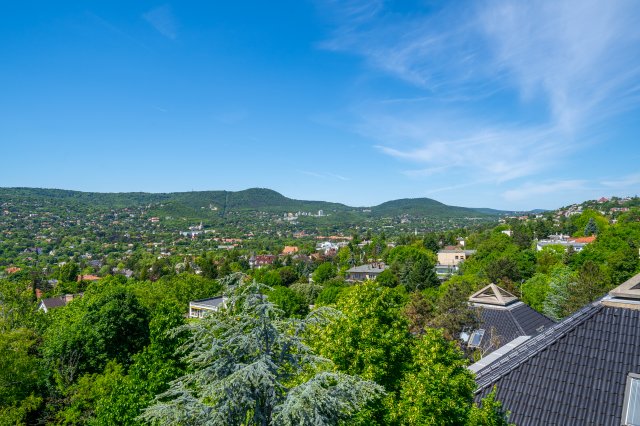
573	373
368	268
510	322
54	302
213	302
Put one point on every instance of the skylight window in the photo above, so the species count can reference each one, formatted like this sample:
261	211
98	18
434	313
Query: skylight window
631	409
476	338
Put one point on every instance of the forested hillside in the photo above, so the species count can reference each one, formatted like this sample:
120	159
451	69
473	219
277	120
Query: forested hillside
254	199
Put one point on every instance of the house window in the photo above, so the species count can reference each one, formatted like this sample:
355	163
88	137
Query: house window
631	408
476	338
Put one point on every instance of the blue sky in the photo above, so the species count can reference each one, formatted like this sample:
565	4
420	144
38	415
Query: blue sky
504	104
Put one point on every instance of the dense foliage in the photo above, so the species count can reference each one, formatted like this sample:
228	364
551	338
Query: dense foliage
306	345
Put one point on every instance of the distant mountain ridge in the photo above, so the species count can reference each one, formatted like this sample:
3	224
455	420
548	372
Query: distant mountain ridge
252	199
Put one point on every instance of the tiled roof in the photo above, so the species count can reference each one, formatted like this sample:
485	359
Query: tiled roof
88	278
504	318
509	323
584	240
571	374
289	249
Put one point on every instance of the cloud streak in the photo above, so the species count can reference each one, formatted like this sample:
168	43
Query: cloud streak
324	176
505	89
631	181
530	190
162	19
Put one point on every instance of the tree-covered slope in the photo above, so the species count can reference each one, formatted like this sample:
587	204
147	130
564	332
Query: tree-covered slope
419	207
219	203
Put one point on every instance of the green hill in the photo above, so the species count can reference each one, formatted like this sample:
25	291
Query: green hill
421	207
204	204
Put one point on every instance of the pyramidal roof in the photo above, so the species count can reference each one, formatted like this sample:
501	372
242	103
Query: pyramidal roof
629	289
493	295
626	295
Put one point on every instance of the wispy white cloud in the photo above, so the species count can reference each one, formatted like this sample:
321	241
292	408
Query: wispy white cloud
326	175
505	89
531	190
450	188
163	20
631	181
496	155
577	53
336	176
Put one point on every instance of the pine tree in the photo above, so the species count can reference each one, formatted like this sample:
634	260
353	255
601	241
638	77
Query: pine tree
591	227
556	303
249	366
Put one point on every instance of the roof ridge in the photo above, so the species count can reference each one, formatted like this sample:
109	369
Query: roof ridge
527	350
515	320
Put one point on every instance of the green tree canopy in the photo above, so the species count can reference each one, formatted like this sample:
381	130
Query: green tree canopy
438	388
290	302
108	322
249	366
371	336
324	272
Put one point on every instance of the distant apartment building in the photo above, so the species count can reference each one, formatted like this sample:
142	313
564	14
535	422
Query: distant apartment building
453	256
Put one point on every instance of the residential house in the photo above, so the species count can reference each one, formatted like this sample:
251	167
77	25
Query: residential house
203	307
329	248
503	318
453	256
126	272
578	243
365	272
444	272
56	302
261	260
299	257
288	250
95	263
87	277
584	370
